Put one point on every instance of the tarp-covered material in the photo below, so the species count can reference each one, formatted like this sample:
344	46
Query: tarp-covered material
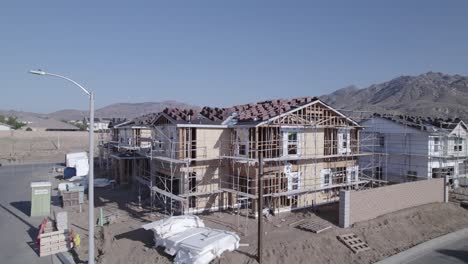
202	245
67	186
71	158
186	238
174	225
102	182
82	167
78	178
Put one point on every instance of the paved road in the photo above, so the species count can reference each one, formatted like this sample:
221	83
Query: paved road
17	229
451	248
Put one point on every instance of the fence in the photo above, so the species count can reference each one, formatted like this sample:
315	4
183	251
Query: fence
356	206
40	146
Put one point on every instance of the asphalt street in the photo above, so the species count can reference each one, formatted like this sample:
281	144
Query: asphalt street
17	229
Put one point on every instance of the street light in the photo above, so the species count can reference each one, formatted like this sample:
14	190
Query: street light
91	162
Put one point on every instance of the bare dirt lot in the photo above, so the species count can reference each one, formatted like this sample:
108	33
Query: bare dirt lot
126	242
19	147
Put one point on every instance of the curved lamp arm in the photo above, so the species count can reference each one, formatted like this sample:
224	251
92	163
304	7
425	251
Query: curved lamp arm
40	72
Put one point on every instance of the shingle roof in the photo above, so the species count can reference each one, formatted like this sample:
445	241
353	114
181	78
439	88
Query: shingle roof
50	124
146	119
116	121
254	112
423	123
246	113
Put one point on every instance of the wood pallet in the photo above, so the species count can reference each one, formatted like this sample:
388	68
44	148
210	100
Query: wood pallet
353	242
314	226
50	241
53	242
70	198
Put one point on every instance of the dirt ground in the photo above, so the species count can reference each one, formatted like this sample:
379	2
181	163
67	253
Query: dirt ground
23	147
124	241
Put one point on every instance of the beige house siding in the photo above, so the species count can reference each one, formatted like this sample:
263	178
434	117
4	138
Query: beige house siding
312	143
210	142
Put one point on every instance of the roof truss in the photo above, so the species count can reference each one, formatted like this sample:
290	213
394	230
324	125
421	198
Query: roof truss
313	114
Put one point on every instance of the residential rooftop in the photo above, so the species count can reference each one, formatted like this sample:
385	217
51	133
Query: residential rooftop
245	113
429	124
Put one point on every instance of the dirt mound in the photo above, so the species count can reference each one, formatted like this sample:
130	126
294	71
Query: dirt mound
103	243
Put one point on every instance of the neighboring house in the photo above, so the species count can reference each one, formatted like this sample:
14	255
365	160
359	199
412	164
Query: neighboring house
5	127
413	148
127	149
100	124
207	160
47	124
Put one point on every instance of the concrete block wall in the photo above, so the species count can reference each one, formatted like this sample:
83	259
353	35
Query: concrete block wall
344	209
356	206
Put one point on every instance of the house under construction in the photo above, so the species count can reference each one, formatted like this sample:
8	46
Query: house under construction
209	160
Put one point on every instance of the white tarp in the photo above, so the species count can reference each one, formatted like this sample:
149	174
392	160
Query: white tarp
79	161
72	158
102	182
65	186
173	225
186	238
82	167
77	178
82	181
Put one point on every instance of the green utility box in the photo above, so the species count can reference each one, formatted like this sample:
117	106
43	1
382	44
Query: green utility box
40	198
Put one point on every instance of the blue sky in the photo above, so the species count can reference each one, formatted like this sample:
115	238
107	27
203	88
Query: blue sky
219	52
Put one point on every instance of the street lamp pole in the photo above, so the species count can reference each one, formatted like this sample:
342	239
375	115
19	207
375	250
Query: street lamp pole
91	162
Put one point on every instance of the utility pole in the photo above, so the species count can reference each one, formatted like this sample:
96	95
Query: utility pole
91	162
260	207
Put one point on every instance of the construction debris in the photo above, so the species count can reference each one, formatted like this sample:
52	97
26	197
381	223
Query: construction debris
353	242
187	238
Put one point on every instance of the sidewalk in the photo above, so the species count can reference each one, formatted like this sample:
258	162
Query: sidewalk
450	248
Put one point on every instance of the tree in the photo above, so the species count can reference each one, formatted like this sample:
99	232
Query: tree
13	121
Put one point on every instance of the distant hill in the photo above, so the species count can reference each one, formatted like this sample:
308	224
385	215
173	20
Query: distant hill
68	114
128	110
131	110
430	94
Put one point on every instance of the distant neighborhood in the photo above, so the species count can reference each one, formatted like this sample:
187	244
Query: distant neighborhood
181	168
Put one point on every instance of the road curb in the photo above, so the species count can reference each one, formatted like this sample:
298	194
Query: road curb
413	253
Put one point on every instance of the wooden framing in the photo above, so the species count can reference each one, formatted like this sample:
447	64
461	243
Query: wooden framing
202	177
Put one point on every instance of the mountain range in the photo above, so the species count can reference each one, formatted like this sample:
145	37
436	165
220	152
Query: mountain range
430	94
126	110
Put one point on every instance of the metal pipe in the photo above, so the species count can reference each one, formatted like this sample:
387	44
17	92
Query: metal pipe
91	181
260	207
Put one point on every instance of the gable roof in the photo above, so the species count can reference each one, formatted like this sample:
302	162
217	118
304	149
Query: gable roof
256	112
245	114
428	124
116	121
